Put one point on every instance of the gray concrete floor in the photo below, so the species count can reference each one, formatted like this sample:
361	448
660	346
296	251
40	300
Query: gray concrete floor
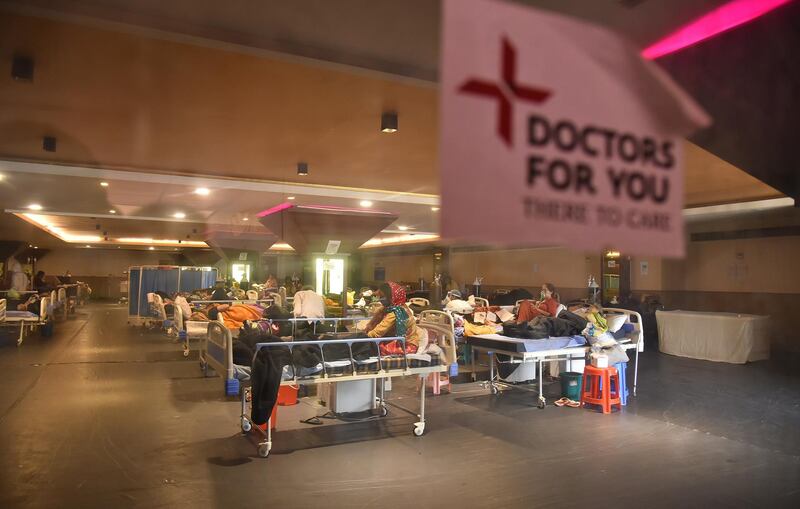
105	415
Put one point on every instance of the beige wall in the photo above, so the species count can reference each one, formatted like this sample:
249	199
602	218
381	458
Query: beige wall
398	267
653	280
763	265
96	262
524	267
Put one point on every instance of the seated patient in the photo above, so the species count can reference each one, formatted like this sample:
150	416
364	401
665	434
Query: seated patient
32	304
547	306
394	319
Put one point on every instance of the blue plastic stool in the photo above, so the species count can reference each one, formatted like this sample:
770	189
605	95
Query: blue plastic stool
623	394
232	387
454	369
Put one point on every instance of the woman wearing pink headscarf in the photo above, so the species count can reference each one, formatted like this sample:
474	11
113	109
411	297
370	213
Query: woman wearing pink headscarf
394	319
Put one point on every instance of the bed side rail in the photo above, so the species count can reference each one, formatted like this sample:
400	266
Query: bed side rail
635	319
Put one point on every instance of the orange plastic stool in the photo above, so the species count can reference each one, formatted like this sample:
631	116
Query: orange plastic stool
600	387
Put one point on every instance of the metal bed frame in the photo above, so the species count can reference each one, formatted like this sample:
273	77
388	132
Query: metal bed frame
182	324
25	323
216	347
634	340
380	402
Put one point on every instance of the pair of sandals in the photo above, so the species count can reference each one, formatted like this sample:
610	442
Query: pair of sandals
568	402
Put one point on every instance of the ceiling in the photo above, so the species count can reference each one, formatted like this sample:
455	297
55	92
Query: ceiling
238	107
145	206
400	38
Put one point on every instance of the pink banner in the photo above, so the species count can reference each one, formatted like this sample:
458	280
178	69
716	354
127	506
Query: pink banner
557	132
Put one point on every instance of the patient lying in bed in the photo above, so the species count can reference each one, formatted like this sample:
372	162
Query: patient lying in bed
232	316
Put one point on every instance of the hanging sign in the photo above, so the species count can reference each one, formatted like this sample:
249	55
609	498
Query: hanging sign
556	132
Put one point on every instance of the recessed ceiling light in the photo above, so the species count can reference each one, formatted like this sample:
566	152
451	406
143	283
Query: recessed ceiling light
402	228
112	211
151	248
245	219
365	203
2	176
87	245
202	191
34	206
435	209
104	184
35	247
290	197
179	215
389	122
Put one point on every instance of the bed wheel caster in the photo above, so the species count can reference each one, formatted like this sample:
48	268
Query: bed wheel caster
263	450
384	411
246	426
419	429
541	404
186	353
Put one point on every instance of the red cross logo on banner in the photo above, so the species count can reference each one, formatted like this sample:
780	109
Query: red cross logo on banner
505	91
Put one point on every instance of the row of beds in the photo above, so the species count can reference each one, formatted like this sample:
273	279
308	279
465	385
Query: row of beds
215	347
58	304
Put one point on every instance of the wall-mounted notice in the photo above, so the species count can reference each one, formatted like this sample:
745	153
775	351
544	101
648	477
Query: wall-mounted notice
560	132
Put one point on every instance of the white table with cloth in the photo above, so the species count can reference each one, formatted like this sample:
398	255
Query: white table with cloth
721	337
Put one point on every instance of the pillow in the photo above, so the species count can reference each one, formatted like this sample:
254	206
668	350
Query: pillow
615	322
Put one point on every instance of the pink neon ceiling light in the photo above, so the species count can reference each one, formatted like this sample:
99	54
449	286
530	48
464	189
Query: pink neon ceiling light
725	17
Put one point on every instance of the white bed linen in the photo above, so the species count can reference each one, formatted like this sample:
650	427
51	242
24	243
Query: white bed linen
721	337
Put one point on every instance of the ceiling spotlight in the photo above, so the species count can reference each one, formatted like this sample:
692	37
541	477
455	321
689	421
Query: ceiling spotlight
151	248
245	219
179	215
104	184
290	197
112	211
435	209
389	122
402	228
365	203
202	191
35	247
2	176
302	168
87	245
34	206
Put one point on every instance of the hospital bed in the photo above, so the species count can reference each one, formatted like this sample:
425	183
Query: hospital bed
540	351
379	372
197	329
216	347
24	320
